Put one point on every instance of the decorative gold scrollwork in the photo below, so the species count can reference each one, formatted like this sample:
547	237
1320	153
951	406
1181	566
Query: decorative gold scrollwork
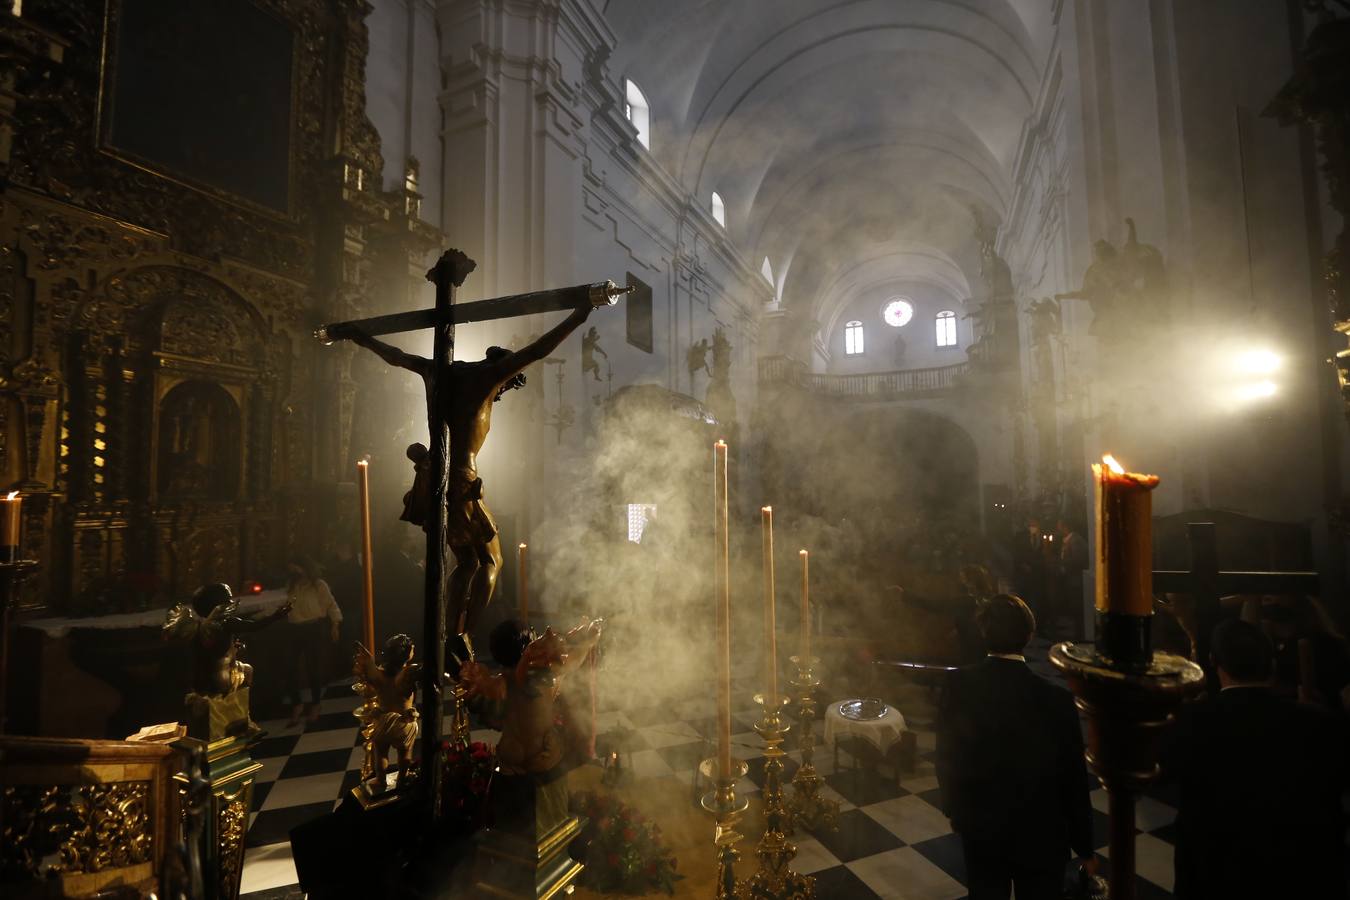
230	828
55	829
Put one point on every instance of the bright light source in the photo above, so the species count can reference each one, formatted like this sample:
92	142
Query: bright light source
639	514
1257	390
1259	362
1113	465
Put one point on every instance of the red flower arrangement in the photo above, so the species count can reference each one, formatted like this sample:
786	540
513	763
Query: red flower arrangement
468	776
626	854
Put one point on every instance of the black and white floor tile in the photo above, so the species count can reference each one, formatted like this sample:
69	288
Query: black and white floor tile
892	841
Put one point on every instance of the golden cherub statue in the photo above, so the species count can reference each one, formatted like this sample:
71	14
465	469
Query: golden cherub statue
531	742
390	687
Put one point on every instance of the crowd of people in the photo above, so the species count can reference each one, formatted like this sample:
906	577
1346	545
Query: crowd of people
1261	770
1260	763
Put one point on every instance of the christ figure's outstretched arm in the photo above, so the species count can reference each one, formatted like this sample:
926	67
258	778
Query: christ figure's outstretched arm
390	354
546	344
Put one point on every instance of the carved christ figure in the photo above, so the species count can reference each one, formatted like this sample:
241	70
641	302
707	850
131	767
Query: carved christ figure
466	408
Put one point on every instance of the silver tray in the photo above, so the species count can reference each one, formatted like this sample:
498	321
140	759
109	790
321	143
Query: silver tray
863	710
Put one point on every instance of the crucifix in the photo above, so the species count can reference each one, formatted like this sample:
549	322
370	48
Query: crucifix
1205	584
460	396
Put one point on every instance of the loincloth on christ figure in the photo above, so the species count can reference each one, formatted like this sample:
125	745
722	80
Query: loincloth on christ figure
468	521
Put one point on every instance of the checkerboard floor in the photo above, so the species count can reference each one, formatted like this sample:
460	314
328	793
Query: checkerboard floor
893	841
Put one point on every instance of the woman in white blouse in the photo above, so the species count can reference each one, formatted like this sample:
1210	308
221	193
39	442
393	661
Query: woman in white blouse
314	621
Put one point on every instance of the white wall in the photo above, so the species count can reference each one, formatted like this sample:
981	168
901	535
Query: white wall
402	81
920	334
1152	111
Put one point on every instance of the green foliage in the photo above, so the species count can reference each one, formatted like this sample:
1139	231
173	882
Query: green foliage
626	854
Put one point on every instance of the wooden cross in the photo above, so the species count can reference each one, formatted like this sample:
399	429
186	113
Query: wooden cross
448	275
1205	584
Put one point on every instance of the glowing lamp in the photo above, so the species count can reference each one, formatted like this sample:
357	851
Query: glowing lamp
1259	362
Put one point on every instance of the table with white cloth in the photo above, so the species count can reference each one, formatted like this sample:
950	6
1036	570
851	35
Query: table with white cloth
881	733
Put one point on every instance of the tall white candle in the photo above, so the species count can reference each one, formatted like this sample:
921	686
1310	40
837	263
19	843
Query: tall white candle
770	631
722	590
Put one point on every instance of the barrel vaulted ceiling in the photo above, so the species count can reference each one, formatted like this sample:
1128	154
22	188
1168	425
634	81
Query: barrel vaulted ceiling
853	141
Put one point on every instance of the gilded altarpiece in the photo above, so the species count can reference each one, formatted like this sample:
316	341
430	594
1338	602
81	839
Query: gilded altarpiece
163	406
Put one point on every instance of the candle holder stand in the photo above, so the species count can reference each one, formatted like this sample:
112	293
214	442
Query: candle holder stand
459	719
365	715
723	804
13	574
773	880
807	807
1127	711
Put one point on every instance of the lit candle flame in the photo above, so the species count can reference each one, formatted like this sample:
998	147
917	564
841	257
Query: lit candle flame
12	495
1113	465
362	463
522	545
766	509
801	552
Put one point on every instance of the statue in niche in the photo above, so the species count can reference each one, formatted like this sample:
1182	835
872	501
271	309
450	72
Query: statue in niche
996	339
696	359
994	270
1126	287
1143	277
1099	285
719	398
590	345
721	353
995	273
390	687
1045	320
199	446
211	621
898	348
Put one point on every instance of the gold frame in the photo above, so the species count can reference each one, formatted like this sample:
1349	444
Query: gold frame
169	372
103	118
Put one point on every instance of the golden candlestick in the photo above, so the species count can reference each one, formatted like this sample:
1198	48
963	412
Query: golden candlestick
459	719
774	880
727	809
807	807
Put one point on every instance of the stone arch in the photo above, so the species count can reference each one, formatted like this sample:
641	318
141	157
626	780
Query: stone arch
911	461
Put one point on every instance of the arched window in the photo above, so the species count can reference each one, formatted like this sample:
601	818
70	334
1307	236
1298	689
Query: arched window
946	328
766	270
638	112
719	209
853	338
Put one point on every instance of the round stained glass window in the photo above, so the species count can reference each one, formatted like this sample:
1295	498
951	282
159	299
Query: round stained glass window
897	313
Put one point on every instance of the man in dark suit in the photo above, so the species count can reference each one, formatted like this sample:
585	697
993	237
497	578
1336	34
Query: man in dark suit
1261	781
1010	766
